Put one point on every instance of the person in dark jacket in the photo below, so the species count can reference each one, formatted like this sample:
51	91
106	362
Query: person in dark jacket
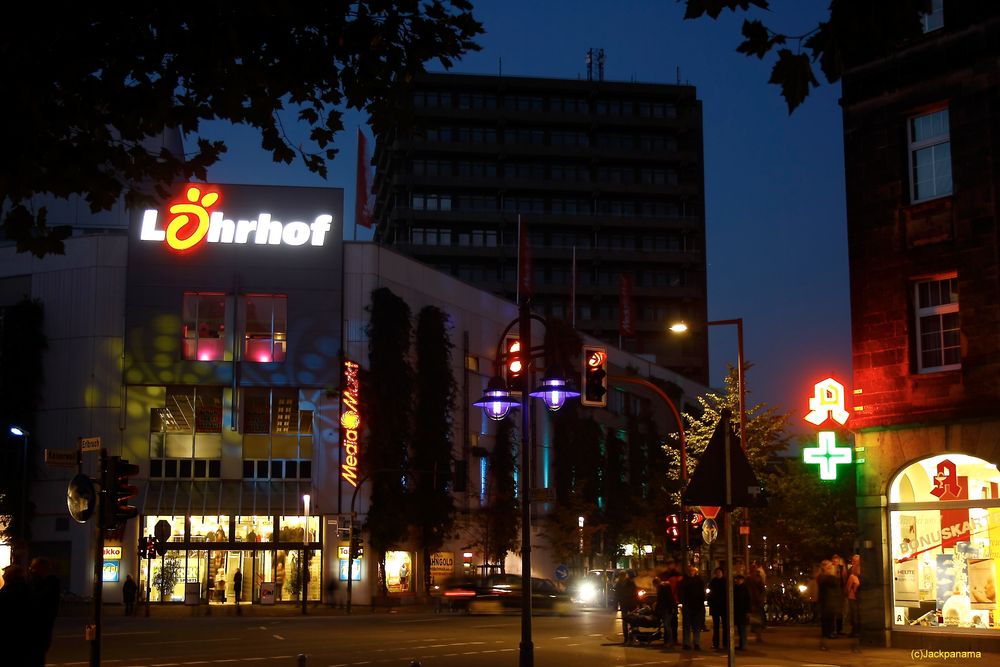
666	610
627	594
717	608
830	592
15	602
129	592
44	592
741	610
692	594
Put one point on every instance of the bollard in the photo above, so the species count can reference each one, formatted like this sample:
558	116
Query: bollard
300	661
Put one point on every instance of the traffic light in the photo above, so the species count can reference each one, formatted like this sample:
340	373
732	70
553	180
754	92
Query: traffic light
695	520
595	376
357	551
143	550
116	491
673	529
513	361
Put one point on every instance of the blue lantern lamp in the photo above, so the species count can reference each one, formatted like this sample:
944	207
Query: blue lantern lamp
496	400
554	389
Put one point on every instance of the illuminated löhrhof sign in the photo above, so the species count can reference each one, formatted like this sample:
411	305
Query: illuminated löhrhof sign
192	222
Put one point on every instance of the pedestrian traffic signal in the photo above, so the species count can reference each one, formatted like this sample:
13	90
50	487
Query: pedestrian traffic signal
116	491
595	376
357	551
513	363
143	550
695	519
673	529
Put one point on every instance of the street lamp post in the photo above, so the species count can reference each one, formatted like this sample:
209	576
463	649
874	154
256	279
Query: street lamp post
497	402
23	527
305	550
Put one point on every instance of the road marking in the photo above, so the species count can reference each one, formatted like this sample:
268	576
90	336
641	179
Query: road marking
227	660
196	662
278	637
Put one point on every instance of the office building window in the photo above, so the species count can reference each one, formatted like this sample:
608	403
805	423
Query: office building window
265	330
431	202
930	156
938	338
204	326
477	101
185	434
277	435
933	19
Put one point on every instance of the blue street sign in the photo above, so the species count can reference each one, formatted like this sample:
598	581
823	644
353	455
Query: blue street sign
562	573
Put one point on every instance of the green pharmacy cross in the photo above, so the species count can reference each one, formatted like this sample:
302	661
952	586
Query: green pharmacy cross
828	455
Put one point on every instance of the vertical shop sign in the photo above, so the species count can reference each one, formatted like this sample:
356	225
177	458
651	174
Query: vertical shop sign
350	423
827	403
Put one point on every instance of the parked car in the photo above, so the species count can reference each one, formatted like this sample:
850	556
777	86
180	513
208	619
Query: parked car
595	589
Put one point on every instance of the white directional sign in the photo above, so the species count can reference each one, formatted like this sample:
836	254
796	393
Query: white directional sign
90	444
61	457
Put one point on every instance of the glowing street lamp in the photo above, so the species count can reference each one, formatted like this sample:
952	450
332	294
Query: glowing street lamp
496	400
23	529
554	390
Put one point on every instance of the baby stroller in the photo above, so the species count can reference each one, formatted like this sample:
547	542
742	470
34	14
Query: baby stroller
644	626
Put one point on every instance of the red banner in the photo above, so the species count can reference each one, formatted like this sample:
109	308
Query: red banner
626	309
362	202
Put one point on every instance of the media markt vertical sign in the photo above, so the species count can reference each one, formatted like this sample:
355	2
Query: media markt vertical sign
350	423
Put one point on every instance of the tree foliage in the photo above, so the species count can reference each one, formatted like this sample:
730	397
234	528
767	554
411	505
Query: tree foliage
765	429
433	507
388	390
855	31
811	519
89	84
500	519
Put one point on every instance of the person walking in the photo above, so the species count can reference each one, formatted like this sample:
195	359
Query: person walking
840	569
717	609
692	596
129	592
627	595
238	586
44	606
757	614
830	591
666	610
741	610
853	603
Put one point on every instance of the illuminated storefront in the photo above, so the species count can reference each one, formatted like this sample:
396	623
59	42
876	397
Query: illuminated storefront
944	525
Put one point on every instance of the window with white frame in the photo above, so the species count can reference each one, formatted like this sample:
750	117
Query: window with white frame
930	156
937	324
933	19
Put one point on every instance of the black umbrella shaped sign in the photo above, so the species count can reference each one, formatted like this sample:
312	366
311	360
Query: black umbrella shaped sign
708	482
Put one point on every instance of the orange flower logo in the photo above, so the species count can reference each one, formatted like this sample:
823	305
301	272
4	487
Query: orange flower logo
189	223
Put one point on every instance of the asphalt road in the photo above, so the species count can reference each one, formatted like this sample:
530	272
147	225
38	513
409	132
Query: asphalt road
588	639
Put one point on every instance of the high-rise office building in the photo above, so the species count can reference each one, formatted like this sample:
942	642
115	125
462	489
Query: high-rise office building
606	179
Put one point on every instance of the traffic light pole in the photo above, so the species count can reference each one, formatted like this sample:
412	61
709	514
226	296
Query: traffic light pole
682	446
95	641
149	582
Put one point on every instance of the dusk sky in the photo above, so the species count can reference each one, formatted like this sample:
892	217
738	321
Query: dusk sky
776	227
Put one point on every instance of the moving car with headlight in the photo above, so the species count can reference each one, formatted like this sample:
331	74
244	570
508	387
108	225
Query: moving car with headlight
595	589
498	593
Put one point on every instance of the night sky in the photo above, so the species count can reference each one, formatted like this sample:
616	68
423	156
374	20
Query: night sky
776	227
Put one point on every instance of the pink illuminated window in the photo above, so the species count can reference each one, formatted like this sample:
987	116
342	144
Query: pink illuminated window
266	327
204	326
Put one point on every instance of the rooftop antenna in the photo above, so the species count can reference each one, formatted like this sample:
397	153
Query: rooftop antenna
589	59
600	64
678	75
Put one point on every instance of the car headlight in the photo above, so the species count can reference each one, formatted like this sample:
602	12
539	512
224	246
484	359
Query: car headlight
587	592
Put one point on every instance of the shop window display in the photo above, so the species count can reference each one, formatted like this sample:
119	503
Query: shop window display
945	561
398	572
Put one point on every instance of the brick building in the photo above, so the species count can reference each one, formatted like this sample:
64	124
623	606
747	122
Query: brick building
922	145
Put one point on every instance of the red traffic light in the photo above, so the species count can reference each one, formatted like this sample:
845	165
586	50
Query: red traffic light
116	492
595	377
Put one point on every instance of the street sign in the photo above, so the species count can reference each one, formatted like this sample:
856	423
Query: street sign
562	573
162	532
61	457
90	444
81	498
